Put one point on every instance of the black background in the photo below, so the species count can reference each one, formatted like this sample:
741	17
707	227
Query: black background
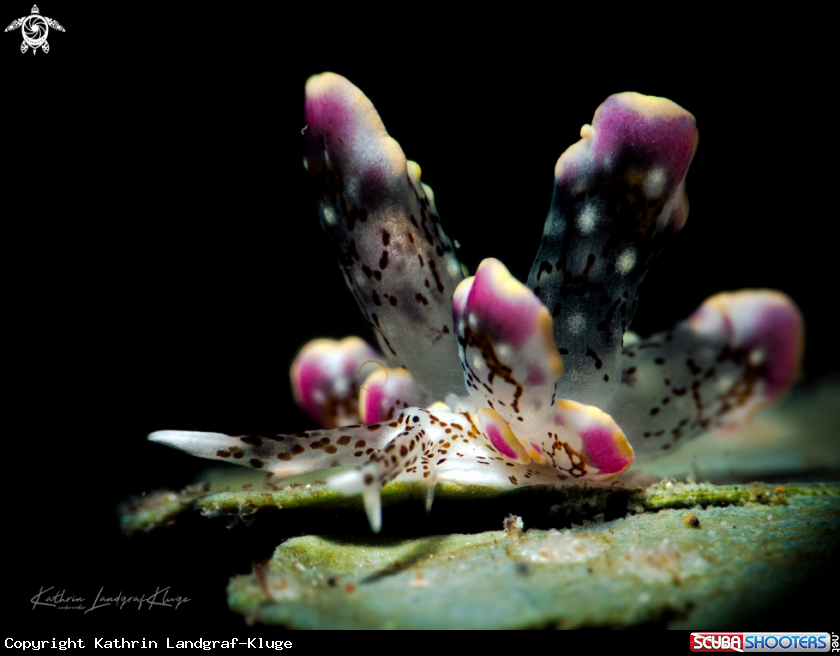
163	260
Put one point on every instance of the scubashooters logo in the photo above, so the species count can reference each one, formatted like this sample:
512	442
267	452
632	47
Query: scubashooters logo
764	642
35	29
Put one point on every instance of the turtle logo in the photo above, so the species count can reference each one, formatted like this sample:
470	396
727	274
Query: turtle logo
35	29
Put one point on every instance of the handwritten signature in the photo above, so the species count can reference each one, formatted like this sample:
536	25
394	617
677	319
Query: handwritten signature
62	601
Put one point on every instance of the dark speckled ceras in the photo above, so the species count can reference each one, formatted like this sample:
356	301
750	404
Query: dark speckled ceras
381	220
619	198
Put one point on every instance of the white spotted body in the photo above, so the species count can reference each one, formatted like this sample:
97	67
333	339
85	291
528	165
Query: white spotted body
419	445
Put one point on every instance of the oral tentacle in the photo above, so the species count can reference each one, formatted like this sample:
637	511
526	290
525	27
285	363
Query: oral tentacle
382	221
619	198
288	454
737	353
326	378
507	350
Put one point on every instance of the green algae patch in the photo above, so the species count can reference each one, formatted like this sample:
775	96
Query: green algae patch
369	557
578	502
732	565
671	494
156	509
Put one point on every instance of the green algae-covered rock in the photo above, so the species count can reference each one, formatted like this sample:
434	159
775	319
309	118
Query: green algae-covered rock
714	567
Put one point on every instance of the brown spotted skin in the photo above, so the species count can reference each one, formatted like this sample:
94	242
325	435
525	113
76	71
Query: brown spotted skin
673	392
735	354
418	444
382	223
434	446
284	455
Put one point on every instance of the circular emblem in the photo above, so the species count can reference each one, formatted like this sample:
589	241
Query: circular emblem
35	30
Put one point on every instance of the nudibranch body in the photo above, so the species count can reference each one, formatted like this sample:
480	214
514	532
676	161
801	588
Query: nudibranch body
489	381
